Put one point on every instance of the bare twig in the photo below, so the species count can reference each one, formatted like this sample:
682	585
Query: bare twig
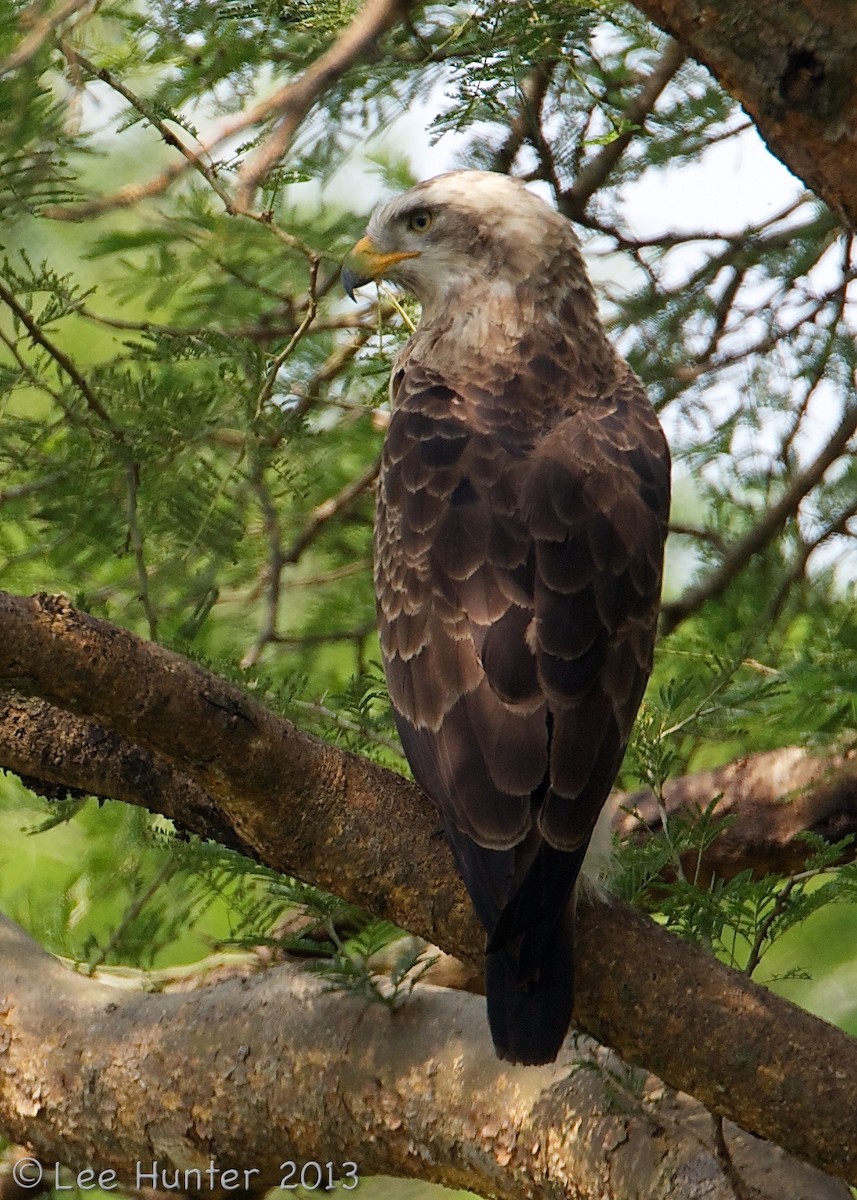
328	509
42	26
766	528
292	102
132	479
594	172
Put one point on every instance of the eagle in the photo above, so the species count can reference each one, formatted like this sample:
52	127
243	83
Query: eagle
521	516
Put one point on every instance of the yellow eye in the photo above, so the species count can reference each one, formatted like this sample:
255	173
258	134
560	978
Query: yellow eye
419	221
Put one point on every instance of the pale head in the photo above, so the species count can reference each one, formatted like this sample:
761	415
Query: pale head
466	230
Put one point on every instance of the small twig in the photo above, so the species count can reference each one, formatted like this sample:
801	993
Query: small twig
766	528
742	1190
300	640
836	528
667	240
132	912
329	509
723	309
525	125
42	25
703	535
271	521
337	360
61	359
330	714
764	926
20	491
132	478
125	197
292	102
150	327
820	365
33	376
594	172
323	578
267	388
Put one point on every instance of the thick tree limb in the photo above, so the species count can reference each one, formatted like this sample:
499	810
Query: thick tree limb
324	815
771	799
412	1091
790	63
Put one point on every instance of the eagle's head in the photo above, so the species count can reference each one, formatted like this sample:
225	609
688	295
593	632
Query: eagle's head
466	232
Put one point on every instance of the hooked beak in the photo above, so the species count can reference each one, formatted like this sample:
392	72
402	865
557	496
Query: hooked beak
365	263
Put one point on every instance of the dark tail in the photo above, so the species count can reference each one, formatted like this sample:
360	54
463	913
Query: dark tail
529	1019
524	897
529	963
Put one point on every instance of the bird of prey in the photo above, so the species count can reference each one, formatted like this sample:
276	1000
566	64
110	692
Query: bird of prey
521	517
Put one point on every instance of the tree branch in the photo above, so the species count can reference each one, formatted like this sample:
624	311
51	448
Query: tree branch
289	104
772	799
790	65
63	362
309	809
413	1090
330	508
292	102
206	170
595	170
766	528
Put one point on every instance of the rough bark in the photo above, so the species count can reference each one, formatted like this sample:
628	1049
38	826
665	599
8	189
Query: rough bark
312	810
300	1073
771	799
790	63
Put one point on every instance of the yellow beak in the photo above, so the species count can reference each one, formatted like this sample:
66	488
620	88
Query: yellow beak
365	263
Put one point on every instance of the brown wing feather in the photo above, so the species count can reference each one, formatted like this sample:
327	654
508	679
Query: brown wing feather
452	560
518	584
597	500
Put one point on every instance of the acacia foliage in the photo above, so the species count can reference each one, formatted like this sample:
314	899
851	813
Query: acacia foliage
191	411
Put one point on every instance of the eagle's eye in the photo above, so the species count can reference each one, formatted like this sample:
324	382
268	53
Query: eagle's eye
419	221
